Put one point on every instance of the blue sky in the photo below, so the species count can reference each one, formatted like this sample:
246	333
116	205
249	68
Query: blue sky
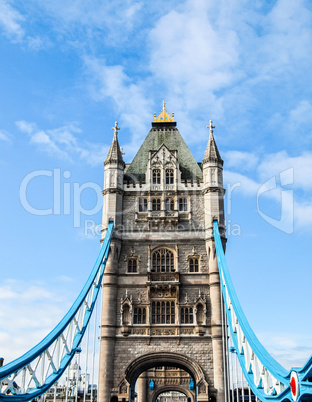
70	69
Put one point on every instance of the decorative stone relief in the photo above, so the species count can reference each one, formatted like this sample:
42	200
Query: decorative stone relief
163	331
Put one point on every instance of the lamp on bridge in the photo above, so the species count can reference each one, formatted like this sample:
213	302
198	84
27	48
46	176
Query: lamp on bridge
151	385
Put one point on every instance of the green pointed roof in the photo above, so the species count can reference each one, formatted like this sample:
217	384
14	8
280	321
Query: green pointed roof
169	135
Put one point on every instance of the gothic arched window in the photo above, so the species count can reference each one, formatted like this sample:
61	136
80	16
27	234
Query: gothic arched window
163	261
156	204
163	312
187	315
132	265
156	176
139	316
169	204
169	176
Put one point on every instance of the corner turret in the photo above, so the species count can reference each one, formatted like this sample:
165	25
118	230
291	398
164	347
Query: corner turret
213	182
114	167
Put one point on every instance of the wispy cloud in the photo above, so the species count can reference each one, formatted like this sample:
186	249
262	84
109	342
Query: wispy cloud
290	349
131	100
10	21
5	136
64	143
28	312
248	183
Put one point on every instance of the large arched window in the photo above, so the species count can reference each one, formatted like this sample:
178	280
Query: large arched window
156	176
163	261
163	312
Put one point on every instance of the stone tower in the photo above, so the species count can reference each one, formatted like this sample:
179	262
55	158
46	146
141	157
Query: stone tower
161	303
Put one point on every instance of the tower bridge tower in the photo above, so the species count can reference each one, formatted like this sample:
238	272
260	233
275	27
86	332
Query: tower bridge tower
161	303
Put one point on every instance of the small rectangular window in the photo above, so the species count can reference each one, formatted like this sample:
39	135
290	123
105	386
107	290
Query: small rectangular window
156	176
156	204
169	176
142	204
194	264
132	265
183	204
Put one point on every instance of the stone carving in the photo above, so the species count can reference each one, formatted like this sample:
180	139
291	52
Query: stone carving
139	331
163	331
163	278
163	291
187	331
123	388
202	388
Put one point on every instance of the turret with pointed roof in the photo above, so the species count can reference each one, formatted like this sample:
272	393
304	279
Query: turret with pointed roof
213	182
114	168
212	153
114	154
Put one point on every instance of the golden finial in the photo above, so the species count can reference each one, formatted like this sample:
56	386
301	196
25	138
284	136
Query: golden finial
164	116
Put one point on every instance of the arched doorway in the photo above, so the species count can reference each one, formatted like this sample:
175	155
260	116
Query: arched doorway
157	396
148	361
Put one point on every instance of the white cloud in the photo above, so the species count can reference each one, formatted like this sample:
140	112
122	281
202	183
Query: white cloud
10	20
302	114
25	126
241	183
249	184
29	311
274	164
112	21
62	142
240	160
130	99
4	136
288	348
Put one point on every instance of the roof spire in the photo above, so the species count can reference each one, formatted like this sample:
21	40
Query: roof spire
164	116
115	153
115	128
211	127
212	152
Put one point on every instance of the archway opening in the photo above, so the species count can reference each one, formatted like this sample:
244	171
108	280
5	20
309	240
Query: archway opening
172	396
165	384
150	375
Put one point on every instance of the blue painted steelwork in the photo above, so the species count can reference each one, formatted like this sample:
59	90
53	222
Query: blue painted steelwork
23	365
265	376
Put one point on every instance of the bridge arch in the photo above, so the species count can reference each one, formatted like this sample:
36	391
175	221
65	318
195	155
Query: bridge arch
150	360
177	388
